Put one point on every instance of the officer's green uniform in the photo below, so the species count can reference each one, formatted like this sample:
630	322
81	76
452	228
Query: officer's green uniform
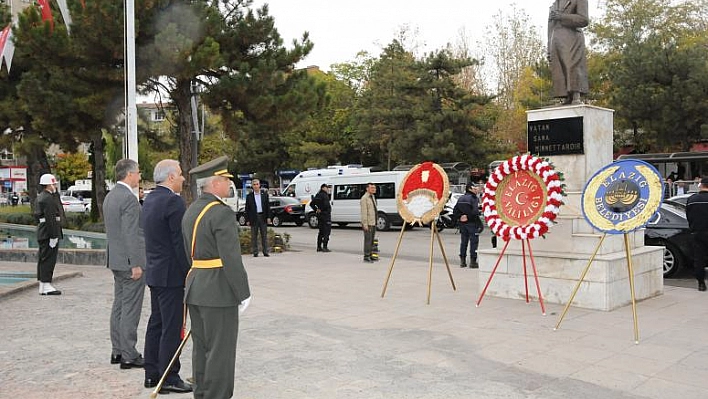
216	284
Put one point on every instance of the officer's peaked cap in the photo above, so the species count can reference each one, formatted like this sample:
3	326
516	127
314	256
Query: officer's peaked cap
215	167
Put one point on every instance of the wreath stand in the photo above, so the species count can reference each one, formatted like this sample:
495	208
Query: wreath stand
433	234
524	243
630	270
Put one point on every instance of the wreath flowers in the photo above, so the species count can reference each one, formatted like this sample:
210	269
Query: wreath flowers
553	191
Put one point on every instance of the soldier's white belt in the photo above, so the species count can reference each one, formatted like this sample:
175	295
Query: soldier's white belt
207	263
57	218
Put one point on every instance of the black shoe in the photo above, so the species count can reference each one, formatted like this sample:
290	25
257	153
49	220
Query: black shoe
368	259
266	255
137	363
701	286
115	359
319	249
463	265
474	265
179	387
326	250
255	255
151	382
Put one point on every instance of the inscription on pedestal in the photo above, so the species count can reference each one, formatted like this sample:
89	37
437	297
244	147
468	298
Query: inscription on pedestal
556	136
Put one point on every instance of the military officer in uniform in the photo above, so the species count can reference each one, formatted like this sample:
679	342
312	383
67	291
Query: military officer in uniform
217	289
48	214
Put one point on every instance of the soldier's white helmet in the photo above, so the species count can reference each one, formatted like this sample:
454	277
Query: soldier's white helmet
47	179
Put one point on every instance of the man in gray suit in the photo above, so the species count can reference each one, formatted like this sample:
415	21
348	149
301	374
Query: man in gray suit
126	259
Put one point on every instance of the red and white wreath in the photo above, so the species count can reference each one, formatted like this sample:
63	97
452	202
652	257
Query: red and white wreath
553	190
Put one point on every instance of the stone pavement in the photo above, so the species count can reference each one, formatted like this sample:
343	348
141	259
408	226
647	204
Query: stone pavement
318	328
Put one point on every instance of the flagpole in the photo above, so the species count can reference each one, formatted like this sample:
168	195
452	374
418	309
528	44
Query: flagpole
131	120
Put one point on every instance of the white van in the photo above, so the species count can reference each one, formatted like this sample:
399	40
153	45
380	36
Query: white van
348	190
308	182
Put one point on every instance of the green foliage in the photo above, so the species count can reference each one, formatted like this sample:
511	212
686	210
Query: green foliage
654	54
70	167
413	110
18	217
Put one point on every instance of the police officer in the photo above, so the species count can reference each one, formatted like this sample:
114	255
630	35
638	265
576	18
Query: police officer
48	214
467	212
216	290
697	215
320	204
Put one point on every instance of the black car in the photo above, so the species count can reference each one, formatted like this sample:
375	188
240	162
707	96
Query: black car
669	229
282	210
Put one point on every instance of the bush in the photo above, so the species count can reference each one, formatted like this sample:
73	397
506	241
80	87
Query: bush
245	239
18	218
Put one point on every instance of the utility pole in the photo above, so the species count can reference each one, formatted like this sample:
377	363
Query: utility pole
131	110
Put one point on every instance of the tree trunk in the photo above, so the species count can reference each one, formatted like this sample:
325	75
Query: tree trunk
37	165
187	160
98	177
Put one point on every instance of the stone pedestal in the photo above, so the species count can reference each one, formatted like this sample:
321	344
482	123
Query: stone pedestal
568	246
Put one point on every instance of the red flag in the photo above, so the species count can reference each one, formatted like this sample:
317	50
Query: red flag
7	47
4	34
46	13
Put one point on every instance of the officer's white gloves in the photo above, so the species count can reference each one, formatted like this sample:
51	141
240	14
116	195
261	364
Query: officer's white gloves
244	305
53	242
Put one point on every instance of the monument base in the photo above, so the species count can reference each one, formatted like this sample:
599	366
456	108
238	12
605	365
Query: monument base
564	253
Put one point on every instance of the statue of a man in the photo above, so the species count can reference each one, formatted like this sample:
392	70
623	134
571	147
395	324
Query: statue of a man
566	49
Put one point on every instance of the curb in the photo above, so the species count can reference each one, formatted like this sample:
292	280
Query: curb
25	285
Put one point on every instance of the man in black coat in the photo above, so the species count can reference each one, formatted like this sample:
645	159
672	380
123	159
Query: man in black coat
467	212
165	272
320	204
48	213
697	215
258	216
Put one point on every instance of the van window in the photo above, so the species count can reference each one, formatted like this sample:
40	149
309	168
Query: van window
356	191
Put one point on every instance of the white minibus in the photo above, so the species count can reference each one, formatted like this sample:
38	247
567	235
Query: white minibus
347	191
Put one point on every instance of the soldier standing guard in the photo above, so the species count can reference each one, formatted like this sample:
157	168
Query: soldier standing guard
48	214
217	289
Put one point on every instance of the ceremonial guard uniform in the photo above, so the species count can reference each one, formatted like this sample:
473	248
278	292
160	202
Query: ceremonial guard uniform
49	214
216	285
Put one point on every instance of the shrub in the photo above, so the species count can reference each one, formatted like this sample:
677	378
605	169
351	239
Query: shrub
18	218
245	239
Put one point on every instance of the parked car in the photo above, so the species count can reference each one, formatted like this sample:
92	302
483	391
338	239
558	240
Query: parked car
282	210
668	228
679	200
72	204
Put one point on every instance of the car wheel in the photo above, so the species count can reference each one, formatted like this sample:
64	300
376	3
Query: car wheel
276	221
312	220
382	223
242	220
673	260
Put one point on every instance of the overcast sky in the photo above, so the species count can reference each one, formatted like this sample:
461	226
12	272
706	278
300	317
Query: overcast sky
341	28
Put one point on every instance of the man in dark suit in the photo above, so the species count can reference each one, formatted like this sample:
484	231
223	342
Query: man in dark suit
126	259
166	269
258	215
49	214
217	288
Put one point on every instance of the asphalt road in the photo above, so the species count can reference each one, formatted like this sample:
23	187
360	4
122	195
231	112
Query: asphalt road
415	245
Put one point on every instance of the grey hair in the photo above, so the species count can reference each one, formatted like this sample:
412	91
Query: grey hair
205	182
125	166
164	169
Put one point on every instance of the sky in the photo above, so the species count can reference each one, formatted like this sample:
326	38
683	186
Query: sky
341	28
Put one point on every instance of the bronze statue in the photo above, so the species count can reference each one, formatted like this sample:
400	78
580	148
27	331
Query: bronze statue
566	49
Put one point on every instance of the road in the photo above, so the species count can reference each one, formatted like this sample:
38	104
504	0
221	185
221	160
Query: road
414	246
